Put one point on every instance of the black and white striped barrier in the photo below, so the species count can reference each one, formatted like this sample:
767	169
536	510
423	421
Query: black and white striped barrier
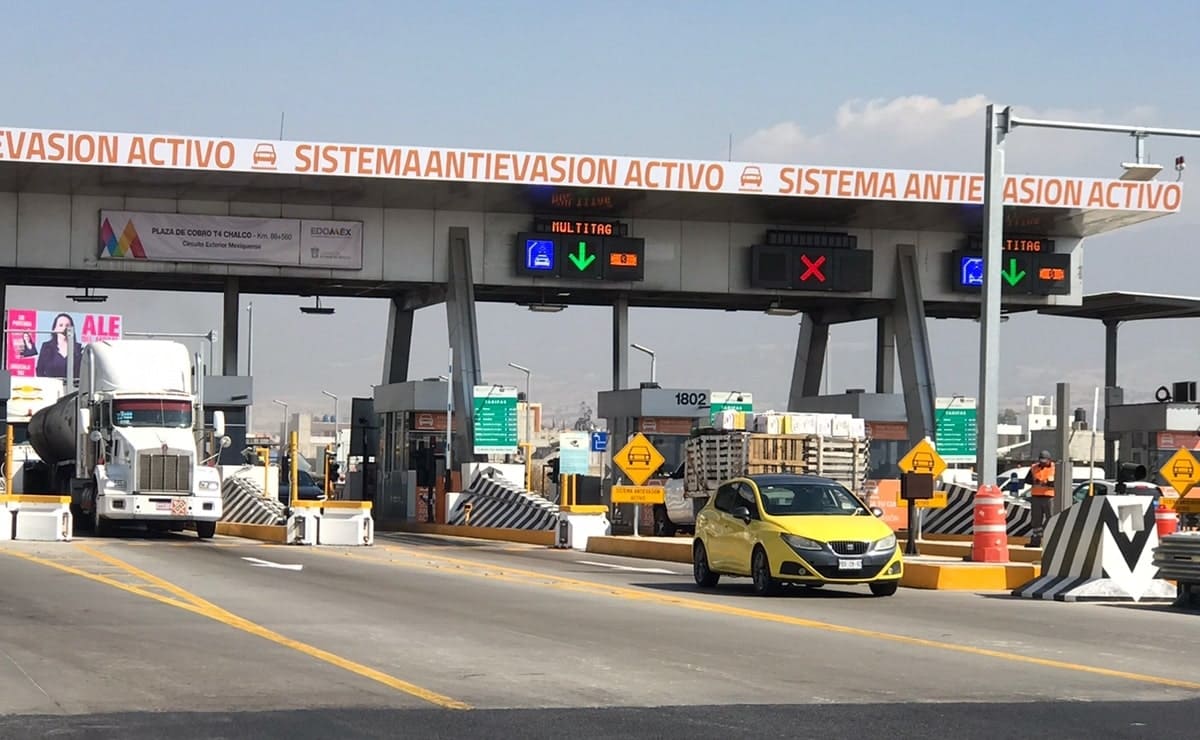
493	501
1100	549
243	502
958	515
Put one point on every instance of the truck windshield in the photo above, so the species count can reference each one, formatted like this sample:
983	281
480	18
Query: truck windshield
152	413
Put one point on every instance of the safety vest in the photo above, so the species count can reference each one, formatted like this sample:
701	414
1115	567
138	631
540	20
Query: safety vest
1043	477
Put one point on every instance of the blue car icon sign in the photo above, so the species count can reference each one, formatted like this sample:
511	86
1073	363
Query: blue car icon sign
539	255
972	272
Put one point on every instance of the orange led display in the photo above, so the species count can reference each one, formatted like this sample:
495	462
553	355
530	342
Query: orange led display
623	259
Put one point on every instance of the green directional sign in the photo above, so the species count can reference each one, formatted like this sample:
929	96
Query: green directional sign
729	401
956	434
1012	274
496	429
582	257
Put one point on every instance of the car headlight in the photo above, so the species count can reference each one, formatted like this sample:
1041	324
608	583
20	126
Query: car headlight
209	485
887	543
802	543
116	483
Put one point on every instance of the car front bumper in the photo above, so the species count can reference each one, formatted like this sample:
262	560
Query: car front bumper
826	566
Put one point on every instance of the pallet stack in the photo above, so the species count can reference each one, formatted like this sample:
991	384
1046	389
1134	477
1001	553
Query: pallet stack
716	457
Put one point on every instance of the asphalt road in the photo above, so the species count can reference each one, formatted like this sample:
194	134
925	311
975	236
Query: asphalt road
424	636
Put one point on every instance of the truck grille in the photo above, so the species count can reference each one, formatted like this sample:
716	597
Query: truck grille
165	473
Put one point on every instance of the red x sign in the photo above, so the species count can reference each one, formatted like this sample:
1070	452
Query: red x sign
812	268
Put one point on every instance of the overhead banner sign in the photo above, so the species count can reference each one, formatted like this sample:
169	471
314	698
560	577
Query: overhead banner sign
38	345
277	242
434	164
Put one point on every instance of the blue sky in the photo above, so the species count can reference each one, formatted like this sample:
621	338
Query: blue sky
841	83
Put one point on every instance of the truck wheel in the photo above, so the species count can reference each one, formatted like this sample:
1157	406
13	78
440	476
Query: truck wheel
206	530
663	526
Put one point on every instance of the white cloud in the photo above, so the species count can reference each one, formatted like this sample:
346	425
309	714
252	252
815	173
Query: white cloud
919	131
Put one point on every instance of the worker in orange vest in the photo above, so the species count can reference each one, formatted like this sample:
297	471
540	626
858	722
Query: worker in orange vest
1041	481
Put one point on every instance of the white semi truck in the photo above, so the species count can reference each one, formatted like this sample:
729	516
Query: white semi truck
129	444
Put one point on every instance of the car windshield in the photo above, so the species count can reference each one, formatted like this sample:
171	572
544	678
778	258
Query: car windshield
152	413
796	499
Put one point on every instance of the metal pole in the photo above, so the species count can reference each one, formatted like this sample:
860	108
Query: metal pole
989	344
450	420
69	333
1014	122
250	359
1064	467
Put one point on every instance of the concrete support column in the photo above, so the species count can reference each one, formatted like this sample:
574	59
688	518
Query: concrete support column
229	328
885	354
464	341
912	347
620	348
1112	395
812	343
398	351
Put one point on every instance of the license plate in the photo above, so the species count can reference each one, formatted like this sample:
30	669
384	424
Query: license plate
850	564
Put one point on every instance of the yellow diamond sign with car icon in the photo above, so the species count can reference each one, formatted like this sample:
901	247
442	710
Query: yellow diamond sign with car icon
638	459
1182	471
922	458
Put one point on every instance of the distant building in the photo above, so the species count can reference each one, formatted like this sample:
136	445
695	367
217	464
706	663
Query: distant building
1039	415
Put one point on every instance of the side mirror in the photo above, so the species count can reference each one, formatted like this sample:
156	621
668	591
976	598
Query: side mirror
741	512
85	419
95	435
877	511
219	423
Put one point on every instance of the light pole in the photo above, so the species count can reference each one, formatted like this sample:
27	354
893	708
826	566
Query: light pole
647	350
528	425
335	421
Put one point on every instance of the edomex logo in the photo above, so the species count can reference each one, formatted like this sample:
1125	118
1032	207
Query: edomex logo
128	246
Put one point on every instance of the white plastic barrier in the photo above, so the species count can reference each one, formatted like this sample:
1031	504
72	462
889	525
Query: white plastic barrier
303	523
346	523
8	513
575	529
42	518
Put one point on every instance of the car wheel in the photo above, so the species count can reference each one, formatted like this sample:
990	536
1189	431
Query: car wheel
700	570
760	571
884	588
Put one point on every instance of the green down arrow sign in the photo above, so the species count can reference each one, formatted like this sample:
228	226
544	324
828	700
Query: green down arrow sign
1012	275
581	259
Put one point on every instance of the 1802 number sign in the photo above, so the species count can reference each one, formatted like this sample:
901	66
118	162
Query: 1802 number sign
691	399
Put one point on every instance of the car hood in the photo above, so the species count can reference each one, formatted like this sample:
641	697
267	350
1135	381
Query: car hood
828	528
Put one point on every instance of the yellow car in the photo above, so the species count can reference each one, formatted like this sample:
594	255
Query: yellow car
794	529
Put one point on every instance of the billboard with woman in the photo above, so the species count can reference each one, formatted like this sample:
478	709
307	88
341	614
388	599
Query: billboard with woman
38	344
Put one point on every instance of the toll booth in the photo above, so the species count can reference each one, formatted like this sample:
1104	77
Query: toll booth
232	395
666	416
413	427
1149	433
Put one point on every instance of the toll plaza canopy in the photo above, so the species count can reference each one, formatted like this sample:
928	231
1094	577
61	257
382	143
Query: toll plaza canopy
165	211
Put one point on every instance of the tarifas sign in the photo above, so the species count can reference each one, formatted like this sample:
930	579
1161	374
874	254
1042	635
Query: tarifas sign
574	170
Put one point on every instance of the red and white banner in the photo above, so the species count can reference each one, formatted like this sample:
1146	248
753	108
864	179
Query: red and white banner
575	170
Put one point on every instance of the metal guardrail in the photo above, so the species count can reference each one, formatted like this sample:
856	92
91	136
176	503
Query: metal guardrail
1178	558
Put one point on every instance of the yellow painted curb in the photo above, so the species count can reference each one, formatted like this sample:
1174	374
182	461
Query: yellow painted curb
273	533
678	551
526	536
963	549
968	577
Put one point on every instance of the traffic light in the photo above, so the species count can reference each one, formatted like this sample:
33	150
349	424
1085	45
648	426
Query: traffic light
1127	472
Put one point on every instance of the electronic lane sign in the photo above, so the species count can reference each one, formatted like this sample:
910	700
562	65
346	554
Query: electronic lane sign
575	249
1021	273
816	261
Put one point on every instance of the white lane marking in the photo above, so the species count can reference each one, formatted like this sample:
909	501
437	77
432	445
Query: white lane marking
268	564
627	567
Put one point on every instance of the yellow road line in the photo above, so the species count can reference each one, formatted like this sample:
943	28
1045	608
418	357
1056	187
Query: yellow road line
195	605
517	575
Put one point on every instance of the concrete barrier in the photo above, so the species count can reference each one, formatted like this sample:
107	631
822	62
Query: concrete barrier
272	533
42	518
346	523
576	530
1102	548
545	538
303	523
